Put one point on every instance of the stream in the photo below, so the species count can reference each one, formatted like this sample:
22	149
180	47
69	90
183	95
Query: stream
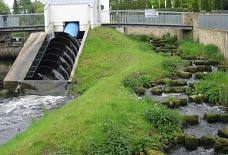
199	130
16	114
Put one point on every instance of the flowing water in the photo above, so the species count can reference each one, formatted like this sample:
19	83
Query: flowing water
17	113
199	130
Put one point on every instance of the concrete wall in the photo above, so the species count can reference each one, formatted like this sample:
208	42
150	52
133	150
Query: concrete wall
155	31
203	35
210	36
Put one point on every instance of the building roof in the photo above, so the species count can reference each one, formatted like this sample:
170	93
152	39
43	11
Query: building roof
68	2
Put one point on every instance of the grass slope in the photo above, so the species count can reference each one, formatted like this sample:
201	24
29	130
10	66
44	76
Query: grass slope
108	56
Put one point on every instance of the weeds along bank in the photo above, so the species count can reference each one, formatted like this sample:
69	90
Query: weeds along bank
107	117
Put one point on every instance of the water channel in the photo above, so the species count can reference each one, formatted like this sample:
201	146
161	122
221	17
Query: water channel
192	108
17	113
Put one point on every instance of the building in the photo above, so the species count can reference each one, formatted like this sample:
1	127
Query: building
60	12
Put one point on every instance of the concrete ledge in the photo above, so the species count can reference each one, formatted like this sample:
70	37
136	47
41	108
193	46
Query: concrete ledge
24	60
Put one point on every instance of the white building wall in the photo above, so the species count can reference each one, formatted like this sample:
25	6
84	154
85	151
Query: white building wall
59	14
95	16
82	13
105	15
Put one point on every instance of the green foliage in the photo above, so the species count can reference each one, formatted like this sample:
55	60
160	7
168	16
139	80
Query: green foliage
114	141
25	6
15	7
171	64
190	48
162	3
38	7
195	6
163	118
169	38
205	5
130	4
217	5
143	38
3	6
212	52
177	3
136	80
215	86
168	4
133	37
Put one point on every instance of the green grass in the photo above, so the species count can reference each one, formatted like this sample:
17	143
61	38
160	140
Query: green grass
190	48
195	49
106	117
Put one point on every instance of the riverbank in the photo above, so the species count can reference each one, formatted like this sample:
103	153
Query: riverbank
106	113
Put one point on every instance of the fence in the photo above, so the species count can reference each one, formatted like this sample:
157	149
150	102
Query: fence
214	21
20	20
146	17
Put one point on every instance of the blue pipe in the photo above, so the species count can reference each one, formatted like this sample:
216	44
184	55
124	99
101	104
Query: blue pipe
72	29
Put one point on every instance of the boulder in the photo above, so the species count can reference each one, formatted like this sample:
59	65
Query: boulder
200	68
157	90
191	142
195	98
199	62
208	68
180	137
223	132
192	69
140	91
181	83
153	152
182	101
169	82
199	75
190	119
211	117
183	74
223	118
198	99
221	144
207	141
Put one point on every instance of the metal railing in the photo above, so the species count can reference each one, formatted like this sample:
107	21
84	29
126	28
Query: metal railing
214	21
21	20
146	17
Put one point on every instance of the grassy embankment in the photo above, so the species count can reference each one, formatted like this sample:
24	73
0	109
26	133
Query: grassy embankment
107	117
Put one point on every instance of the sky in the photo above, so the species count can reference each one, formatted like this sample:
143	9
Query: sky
10	2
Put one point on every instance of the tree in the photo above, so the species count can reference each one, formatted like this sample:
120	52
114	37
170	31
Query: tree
195	6
38	7
16	9
168	4
4	6
25	6
204	5
217	5
162	3
225	4
177	4
154	3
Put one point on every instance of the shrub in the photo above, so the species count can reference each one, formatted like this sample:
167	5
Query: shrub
136	80
215	86
165	119
171	64
190	48
114	140
143	38
211	51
